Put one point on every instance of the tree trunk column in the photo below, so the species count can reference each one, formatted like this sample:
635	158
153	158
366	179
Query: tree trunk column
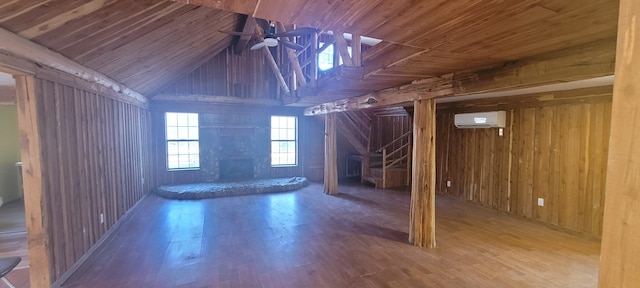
330	155
422	214
619	261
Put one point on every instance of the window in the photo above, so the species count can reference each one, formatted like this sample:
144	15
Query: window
284	138
326	57
183	146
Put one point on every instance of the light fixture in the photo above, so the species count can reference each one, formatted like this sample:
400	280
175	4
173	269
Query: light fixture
271	42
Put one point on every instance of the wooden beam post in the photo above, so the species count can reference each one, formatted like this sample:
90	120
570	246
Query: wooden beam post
276	70
293	58
356	49
330	155
249	27
619	261
341	48
314	63
422	214
33	184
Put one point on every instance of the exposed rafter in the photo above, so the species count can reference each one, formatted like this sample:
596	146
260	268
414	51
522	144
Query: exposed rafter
248	28
588	61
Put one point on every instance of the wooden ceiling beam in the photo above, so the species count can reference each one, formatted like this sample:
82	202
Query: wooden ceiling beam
592	60
217	99
21	47
293	58
430	88
588	61
249	27
276	70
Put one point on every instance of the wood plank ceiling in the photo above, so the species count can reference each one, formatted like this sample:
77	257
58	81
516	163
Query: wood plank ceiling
146	43
143	44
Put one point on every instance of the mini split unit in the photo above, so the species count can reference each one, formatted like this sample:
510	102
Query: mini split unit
494	119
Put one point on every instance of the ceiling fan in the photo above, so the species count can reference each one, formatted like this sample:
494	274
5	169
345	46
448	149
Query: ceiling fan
272	38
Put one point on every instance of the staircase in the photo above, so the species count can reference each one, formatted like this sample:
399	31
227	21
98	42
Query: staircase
385	167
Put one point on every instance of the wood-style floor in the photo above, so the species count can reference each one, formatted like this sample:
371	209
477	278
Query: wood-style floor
308	239
12	217
13	241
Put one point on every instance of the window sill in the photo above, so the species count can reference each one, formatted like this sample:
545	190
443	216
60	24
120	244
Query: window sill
182	169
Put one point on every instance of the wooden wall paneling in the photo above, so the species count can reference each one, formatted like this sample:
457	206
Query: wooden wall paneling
550	152
74	175
584	198
51	162
65	176
90	164
542	142
82	140
35	182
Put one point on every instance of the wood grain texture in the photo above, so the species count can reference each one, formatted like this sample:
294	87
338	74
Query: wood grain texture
355	239
330	155
553	149
39	225
422	217
621	214
95	146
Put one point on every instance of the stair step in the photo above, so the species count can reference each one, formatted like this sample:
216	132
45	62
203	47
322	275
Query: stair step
373	180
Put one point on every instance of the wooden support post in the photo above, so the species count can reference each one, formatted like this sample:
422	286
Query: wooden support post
249	27
33	184
293	58
422	214
384	168
330	155
341	48
619	261
364	171
314	62
356	50
276	70
409	153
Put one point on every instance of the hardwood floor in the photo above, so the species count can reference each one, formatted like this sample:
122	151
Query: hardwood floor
15	244
13	241
12	217
308	239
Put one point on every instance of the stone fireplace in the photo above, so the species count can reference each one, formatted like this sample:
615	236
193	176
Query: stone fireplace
236	169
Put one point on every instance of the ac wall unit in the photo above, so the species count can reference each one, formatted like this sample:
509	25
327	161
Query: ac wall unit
494	119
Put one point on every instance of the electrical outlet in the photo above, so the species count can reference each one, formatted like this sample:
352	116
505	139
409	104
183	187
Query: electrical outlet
448	183
500	132
101	218
540	202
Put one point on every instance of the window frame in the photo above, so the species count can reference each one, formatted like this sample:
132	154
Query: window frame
179	140
272	140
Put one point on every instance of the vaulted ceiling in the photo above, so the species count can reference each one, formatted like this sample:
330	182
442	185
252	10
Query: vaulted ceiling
147	43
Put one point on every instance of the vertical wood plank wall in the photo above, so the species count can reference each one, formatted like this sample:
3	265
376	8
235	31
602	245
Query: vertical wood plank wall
228	74
554	147
385	129
94	160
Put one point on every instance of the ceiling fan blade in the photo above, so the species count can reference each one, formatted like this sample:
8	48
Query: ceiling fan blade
291	45
298	32
258	45
237	33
